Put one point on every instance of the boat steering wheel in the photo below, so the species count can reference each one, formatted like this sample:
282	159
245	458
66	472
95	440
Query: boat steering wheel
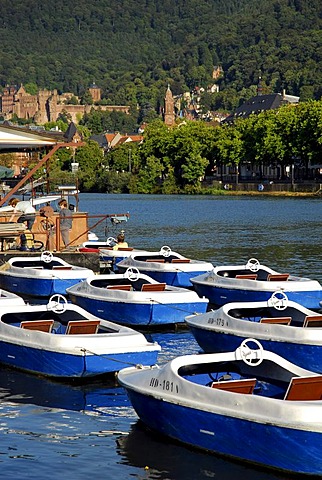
253	265
57	303
278	300
249	356
111	240
165	251
132	273
46	256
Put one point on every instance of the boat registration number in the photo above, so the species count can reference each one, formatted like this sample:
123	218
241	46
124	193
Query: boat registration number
164	385
217	321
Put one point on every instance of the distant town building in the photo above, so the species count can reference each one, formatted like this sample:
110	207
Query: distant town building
47	105
95	92
169	113
217	72
261	103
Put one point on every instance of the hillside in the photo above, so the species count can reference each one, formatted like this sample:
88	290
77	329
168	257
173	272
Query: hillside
132	50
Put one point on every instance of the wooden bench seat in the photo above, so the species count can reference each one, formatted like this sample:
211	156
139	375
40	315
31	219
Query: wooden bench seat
278	277
158	260
314	321
34	267
277	320
125	249
76	327
180	260
119	287
304	388
153	287
41	325
245	385
249	276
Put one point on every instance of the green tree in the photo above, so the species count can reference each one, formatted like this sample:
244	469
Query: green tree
90	159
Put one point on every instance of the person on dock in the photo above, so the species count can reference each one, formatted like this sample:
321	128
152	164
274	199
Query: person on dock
121	243
66	221
25	208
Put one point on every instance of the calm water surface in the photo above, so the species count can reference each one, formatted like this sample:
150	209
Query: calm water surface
50	430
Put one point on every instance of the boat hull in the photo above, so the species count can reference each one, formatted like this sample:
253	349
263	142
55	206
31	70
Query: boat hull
139	314
65	365
173	278
273	446
37	286
220	296
305	355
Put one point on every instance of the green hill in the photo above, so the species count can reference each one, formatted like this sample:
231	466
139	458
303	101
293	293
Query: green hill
132	50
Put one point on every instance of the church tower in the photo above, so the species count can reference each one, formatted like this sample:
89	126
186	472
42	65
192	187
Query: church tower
169	115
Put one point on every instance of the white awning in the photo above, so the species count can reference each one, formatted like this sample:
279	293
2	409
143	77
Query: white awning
13	137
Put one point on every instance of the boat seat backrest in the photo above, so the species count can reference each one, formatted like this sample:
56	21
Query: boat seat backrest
41	325
158	260
34	267
245	385
153	287
119	287
304	388
77	327
314	321
62	267
277	320
278	277
249	276
180	260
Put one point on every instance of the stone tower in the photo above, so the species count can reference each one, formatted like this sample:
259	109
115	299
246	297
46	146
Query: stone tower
95	91
169	115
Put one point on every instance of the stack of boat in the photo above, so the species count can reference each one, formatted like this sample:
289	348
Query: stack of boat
261	370
262	373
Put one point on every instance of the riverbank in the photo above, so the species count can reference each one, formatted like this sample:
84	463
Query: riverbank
270	194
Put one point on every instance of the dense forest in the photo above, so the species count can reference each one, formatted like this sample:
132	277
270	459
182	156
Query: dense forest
132	50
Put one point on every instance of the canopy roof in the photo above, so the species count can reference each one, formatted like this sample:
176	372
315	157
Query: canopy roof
14	138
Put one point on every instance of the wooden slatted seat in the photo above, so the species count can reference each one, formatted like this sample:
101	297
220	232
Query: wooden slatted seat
245	385
76	327
314	321
277	320
249	276
304	388
35	268
62	267
278	277
119	287
125	249
153	287
180	260
158	260
41	325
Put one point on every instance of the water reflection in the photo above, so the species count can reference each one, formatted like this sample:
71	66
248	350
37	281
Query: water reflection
100	397
283	233
166	460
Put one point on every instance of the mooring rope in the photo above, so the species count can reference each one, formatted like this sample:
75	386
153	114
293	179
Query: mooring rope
85	350
173	307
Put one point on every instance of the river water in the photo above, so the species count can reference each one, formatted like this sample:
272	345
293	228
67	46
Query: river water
52	430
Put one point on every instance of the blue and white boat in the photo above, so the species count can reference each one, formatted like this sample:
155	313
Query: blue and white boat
40	276
282	326
166	266
10	299
135	299
250	404
109	257
254	282
64	341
